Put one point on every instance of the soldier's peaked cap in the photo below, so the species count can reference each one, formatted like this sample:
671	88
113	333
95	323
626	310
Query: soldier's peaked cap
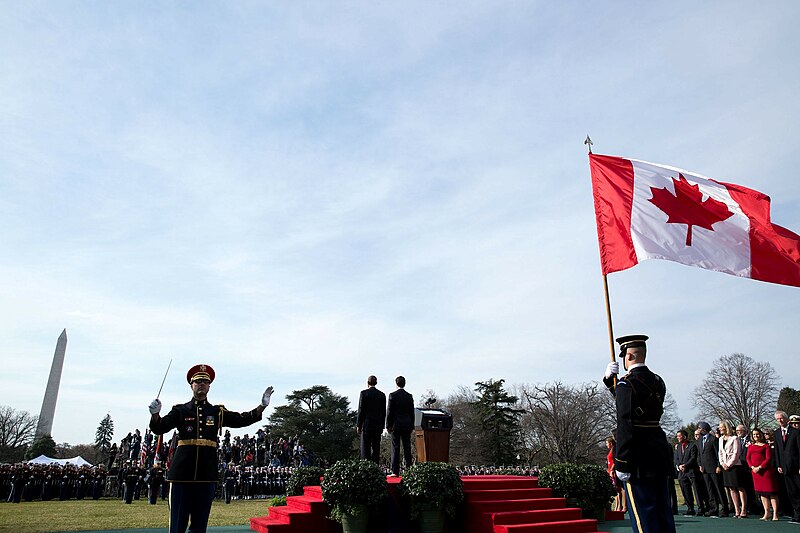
632	341
202	371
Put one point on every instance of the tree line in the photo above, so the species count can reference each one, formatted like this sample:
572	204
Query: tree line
539	423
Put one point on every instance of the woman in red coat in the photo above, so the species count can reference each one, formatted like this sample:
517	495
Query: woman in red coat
759	457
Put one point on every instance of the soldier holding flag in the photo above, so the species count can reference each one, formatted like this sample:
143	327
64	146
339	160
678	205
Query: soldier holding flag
643	458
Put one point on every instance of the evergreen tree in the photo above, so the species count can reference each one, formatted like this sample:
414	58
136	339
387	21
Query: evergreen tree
689	428
500	420
320	418
104	436
789	400
44	445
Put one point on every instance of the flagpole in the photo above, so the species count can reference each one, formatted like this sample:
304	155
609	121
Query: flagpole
608	318
588	142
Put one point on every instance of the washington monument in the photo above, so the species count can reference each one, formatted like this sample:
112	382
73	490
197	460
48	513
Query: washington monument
48	412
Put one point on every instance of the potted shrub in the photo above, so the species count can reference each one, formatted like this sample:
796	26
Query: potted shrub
433	490
588	486
352	488
303	476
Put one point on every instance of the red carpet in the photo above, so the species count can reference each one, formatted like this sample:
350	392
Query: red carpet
493	504
301	514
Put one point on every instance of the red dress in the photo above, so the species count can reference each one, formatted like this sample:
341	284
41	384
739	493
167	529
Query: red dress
764	480
610	469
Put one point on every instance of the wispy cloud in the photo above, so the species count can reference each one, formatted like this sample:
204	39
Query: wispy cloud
306	195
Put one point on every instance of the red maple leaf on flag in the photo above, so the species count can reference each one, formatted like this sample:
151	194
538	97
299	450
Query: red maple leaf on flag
687	206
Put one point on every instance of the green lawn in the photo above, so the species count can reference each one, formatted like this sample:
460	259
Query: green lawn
90	515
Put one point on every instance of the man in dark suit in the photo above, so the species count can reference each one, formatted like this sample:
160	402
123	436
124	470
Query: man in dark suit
683	453
699	485
371	420
787	458
708	448
399	423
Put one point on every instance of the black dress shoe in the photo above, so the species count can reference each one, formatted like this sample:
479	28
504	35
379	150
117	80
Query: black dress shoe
689	513
710	513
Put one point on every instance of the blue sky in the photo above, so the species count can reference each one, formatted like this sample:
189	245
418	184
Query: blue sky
308	193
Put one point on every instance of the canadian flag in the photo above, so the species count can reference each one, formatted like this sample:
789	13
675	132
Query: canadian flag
649	211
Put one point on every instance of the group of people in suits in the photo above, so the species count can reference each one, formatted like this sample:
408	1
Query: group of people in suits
397	417
719	469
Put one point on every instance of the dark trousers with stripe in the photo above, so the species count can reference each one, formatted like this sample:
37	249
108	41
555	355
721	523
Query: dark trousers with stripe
650	505
190	501
152	493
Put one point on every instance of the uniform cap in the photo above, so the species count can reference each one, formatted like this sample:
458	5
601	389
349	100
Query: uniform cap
202	371
631	341
794	418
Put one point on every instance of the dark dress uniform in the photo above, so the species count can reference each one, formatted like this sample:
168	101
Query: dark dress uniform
132	476
193	473
643	450
154	480
229	478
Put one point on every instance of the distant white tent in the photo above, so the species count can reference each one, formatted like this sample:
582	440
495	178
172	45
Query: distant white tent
44	460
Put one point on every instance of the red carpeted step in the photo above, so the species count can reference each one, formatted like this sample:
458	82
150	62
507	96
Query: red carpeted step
293	516
498	506
536	517
313	491
478	515
308	504
506	494
614	515
499	482
571	526
265	524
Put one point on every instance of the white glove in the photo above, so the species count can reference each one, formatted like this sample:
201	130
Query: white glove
611	369
623	476
267	394
155	407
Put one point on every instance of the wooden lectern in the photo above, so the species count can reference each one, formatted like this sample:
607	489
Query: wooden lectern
432	429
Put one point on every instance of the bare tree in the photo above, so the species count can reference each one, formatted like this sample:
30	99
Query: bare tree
467	439
670	421
17	429
565	423
569	423
740	389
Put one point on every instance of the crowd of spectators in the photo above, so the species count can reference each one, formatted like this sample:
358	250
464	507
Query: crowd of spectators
483	470
739	471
